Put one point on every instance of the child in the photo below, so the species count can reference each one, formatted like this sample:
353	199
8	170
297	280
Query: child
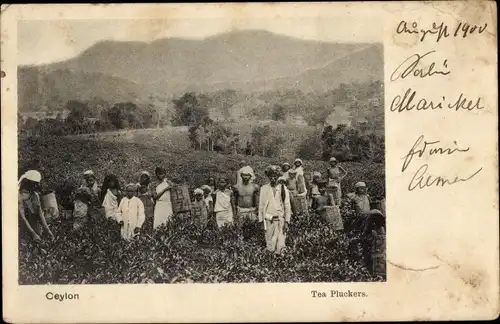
324	204
224	206
200	209
323	199
91	183
207	198
130	213
81	207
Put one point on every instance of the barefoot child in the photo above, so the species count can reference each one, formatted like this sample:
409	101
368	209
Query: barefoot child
130	213
200	208
224	206
325	205
324	199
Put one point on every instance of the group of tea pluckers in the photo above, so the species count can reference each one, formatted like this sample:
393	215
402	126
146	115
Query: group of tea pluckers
144	206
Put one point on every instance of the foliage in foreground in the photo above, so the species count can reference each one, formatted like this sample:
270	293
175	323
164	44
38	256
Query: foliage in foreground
181	253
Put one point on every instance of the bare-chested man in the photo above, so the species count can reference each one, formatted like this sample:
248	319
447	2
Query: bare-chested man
246	197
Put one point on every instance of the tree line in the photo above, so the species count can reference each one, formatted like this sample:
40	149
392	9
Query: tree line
358	136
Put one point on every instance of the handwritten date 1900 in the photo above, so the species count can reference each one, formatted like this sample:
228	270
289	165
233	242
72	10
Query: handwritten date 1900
441	30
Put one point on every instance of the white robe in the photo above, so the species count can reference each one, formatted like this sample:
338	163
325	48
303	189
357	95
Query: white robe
223	209
131	213
274	212
163	206
110	205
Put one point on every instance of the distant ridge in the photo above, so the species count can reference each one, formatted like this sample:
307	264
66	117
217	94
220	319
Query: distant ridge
249	60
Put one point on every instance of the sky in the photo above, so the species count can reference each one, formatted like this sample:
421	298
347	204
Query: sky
46	41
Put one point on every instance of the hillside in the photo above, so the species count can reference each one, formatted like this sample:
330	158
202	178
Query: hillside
39	89
245	60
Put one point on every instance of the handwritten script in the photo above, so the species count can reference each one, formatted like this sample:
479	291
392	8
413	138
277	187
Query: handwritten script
422	178
440	30
423	65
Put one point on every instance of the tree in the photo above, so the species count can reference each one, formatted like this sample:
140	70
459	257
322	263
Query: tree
149	116
189	110
124	115
279	113
259	135
311	147
78	112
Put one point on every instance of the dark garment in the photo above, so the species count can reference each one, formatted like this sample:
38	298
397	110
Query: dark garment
32	212
145	195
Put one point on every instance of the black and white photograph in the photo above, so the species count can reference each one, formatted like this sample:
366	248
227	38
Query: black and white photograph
200	153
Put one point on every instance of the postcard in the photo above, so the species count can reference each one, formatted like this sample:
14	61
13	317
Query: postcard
250	162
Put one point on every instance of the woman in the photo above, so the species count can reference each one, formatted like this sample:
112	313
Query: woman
335	175
144	193
111	195
274	210
298	166
32	219
224	206
162	198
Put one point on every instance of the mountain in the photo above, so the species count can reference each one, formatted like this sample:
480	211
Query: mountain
39	89
250	60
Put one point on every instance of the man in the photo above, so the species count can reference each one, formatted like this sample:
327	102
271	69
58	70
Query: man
274	210
244	164
246	200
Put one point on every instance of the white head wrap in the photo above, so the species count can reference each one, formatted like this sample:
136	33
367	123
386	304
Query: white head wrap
298	160
88	173
146	173
360	184
246	170
333	159
198	191
31	175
